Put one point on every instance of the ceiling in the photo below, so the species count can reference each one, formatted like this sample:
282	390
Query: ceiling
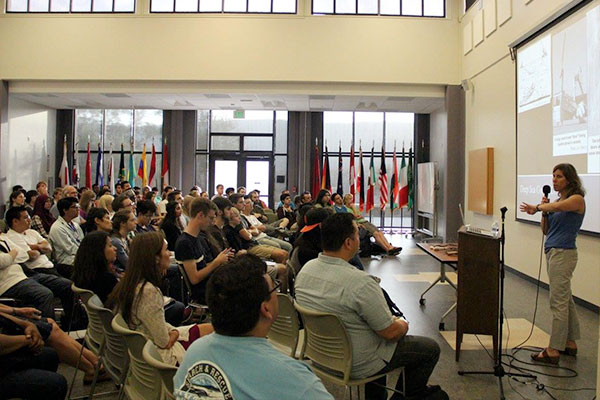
184	100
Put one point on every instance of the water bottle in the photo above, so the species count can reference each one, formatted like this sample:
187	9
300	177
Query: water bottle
496	229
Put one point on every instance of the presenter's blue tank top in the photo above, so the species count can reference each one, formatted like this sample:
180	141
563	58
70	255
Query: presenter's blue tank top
562	229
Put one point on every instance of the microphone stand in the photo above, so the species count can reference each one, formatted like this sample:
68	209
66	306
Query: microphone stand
498	368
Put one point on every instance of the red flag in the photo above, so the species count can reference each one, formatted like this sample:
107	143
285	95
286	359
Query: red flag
352	173
152	165
88	169
371	183
383	188
360	183
165	165
316	178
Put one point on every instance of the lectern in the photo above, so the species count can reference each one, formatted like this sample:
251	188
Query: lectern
478	287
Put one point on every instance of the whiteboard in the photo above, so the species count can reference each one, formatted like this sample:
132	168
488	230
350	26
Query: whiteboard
426	188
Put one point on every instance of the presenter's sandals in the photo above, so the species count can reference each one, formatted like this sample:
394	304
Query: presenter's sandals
545	358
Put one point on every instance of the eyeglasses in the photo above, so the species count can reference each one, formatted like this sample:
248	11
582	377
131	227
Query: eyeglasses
277	284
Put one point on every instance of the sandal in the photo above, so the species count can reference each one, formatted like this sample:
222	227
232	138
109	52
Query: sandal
394	251
569	351
102	377
545	358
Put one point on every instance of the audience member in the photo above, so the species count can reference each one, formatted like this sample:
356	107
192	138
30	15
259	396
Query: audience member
241	190
42	219
98	220
187	201
118	188
162	206
229	191
123	223
138	298
195	191
379	341
222	219
243	304
146	211
285	191
105	201
123	202
86	202
285	210
257	229
171	224
257	209
56	196
323	199
219	192
65	235
30	198
177	197
42	188
16	199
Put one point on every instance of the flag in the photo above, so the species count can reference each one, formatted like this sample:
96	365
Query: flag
360	183
371	189
316	179
340	186
383	188
99	168
152	166
122	171
88	168
111	170
63	173
403	183
142	169
352	174
410	178
165	164
325	176
75	173
394	190
131	172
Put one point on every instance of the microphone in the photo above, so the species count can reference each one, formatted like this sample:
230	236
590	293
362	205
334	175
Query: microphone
546	190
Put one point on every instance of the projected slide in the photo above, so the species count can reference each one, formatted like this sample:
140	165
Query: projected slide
558	110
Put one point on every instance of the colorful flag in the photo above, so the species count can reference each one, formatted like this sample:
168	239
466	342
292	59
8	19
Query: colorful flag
410	178
371	189
403	183
75	173
99	168
352	174
165	165
394	184
122	170
152	165
360	183
88	169
131	172
383	188
142	169
316	178
63	173
325	176
111	170
340	184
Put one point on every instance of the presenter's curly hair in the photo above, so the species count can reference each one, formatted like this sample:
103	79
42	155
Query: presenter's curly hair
574	185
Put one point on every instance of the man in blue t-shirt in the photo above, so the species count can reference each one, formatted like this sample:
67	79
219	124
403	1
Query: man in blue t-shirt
237	361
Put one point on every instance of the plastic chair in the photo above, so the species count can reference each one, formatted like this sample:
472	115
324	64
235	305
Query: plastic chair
186	290
114	357
164	370
329	348
285	330
142	381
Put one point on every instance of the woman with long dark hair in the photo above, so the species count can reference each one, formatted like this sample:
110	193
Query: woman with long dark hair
323	199
98	219
42	219
561	221
171	224
138	298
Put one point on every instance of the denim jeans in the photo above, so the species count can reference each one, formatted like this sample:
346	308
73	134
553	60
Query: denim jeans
174	313
31	376
418	355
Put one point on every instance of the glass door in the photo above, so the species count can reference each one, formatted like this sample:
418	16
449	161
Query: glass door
226	174
258	173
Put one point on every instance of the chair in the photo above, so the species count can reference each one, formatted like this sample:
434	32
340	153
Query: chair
164	370
142	381
329	348
114	357
285	330
186	290
271	216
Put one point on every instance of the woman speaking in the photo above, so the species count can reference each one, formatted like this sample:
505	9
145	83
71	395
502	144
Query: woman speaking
561	221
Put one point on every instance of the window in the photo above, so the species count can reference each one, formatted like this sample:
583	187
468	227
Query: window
70	6
106	129
409	8
223	6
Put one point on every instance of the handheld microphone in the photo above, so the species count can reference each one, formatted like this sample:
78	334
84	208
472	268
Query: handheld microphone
546	190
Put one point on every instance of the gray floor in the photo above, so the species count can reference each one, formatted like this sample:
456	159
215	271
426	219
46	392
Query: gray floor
424	320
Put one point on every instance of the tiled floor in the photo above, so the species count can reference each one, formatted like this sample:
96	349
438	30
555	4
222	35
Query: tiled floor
406	276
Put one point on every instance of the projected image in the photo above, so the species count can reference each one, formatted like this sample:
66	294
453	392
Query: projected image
569	94
534	75
593	55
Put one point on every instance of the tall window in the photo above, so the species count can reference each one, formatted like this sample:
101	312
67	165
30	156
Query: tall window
106	129
224	6
370	131
70	6
408	8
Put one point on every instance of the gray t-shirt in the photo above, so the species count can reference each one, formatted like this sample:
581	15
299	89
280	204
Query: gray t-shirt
330	284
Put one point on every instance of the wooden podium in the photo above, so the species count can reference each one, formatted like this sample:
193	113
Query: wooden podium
478	287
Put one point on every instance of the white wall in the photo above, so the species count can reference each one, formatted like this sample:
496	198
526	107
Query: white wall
490	122
28	145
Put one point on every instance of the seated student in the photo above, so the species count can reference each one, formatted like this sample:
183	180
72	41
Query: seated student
42	219
98	219
379	237
87	201
123	202
190	252
42	188
177	197
222	219
286	209
146	210
257	229
66	235
379	341
171	224
30	198
243	304
16	199
105	201
229	191
140	301
323	199
162	205
57	194
123	223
